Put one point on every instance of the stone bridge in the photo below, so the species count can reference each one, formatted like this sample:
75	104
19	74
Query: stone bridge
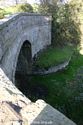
18	34
33	29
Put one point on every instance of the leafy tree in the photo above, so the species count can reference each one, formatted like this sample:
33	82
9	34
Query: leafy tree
65	27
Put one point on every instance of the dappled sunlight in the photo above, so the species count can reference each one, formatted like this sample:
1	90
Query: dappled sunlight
81	51
81	43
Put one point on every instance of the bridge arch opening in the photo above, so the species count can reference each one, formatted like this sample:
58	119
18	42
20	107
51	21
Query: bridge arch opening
23	75
24	65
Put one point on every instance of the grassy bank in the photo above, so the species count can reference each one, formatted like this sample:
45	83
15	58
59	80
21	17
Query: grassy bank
61	89
53	56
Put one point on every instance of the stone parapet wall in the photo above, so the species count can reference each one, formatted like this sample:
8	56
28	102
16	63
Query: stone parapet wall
16	109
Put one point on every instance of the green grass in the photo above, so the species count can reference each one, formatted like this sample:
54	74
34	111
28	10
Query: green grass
53	56
62	88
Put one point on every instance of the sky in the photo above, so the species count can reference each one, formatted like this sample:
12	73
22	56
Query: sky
37	1
32	1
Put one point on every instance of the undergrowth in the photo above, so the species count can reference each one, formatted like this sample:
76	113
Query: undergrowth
61	89
53	56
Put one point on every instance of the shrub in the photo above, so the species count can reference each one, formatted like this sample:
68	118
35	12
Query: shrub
2	13
65	30
24	8
65	25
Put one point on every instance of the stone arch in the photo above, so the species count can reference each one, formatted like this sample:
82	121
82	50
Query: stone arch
24	62
23	40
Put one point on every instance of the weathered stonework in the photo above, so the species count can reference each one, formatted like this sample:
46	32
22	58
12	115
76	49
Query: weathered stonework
15	31
52	69
15	108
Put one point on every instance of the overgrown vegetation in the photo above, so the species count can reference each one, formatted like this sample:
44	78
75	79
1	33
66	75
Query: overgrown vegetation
53	56
65	26
63	90
2	13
